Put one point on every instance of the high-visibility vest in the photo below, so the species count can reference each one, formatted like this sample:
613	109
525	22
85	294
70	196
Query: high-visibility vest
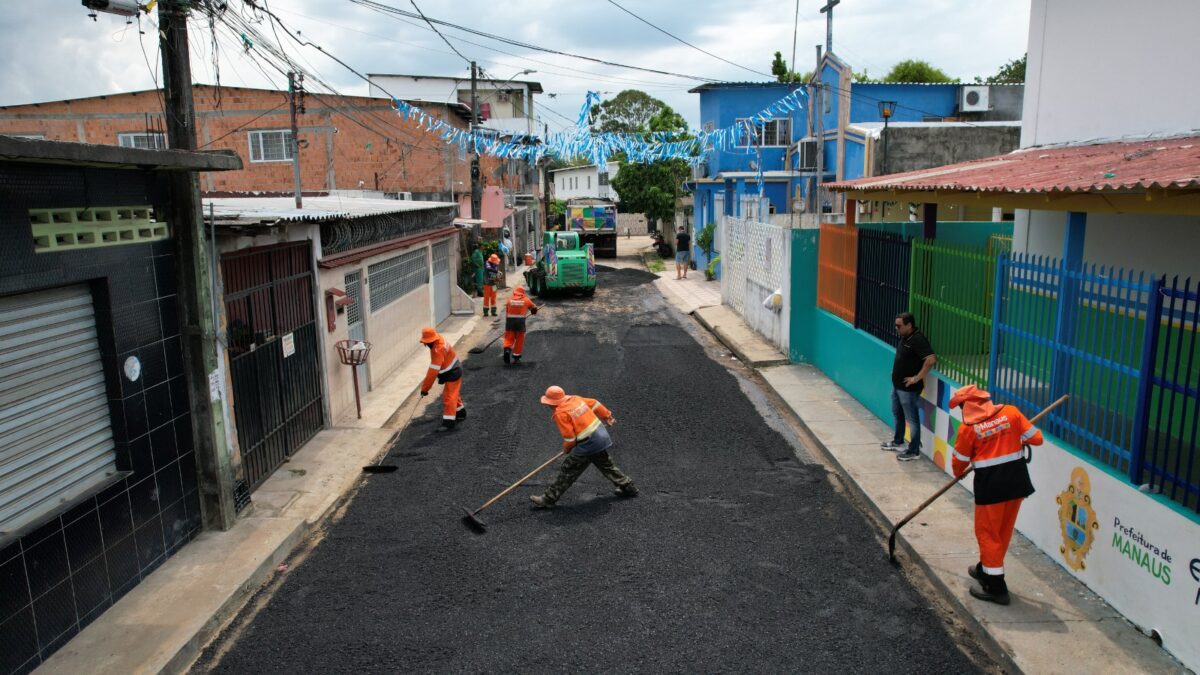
577	419
995	448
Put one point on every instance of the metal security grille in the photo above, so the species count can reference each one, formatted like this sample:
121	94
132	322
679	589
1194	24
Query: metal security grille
390	280
273	357
354	292
441	257
54	417
148	141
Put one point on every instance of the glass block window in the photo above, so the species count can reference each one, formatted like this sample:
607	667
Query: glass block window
271	146
392	279
142	140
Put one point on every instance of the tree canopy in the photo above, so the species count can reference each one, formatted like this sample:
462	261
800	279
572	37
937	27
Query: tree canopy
628	112
779	69
915	70
653	188
1012	72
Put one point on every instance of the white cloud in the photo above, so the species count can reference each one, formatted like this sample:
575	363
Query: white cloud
51	50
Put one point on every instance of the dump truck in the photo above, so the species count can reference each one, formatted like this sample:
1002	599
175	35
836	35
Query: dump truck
596	222
565	264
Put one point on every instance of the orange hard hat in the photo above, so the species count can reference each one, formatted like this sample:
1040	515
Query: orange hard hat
428	335
519	292
554	395
976	404
494	259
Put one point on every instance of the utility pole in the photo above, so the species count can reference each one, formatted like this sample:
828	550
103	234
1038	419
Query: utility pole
201	357
296	103
545	190
819	133
476	190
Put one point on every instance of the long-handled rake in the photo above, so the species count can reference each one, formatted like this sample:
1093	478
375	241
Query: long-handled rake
479	349
471	518
947	486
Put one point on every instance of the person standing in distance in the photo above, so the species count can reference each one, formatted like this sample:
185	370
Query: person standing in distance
914	359
683	253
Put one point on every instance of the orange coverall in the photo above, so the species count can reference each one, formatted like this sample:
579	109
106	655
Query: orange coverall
994	445
446	369
514	323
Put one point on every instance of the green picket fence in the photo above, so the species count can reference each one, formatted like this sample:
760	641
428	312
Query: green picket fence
951	293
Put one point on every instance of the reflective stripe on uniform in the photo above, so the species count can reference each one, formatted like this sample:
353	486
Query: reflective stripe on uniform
1002	459
591	428
449	367
1029	434
960	457
433	366
994	571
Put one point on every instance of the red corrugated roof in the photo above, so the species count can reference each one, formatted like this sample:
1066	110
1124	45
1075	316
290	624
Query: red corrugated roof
1118	166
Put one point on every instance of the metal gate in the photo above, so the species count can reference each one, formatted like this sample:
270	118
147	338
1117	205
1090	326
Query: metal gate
54	415
354	322
273	358
441	282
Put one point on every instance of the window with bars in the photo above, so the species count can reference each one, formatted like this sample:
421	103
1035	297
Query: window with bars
145	141
392	279
271	146
777	132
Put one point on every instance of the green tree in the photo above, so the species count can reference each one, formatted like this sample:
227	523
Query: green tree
1012	72
862	76
914	70
653	188
779	69
628	112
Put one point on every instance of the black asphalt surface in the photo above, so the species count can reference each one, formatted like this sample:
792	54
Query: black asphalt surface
735	558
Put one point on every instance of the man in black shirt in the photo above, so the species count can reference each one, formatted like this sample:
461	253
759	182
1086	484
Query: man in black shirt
683	253
914	359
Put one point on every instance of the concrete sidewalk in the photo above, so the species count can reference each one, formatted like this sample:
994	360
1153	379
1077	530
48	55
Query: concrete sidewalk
164	622
1055	623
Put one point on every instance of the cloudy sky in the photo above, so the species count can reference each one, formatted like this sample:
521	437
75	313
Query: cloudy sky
50	49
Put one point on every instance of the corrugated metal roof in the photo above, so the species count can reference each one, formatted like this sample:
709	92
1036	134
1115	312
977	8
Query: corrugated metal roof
245	210
1116	166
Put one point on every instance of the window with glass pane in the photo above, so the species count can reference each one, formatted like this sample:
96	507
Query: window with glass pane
773	133
271	146
144	141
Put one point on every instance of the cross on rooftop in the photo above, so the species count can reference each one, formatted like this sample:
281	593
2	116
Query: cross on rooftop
827	10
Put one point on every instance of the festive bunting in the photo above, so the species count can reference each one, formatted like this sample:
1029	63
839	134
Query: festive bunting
693	147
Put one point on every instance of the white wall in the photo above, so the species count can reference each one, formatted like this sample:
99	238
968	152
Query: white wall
451	90
574	182
1156	244
1110	68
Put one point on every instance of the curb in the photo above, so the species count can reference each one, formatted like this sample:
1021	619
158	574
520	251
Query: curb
734	347
962	612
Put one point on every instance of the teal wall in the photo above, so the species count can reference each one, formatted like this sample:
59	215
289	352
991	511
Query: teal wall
856	361
964	233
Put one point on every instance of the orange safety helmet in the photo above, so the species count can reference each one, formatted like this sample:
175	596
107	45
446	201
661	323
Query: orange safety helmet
519	292
554	395
494	259
428	335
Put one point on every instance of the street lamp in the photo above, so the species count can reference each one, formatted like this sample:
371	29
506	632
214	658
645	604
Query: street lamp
886	110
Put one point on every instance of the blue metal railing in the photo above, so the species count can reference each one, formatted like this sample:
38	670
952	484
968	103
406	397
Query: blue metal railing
1090	345
1170	415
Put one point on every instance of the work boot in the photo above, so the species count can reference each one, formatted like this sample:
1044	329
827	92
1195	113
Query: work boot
447	425
541	502
991	588
975	572
516	358
626	491
507	355
493	311
485	311
461	414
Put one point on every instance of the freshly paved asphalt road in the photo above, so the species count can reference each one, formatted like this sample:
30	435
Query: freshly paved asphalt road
735	558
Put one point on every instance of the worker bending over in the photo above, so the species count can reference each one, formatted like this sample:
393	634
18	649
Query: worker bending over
446	369
515	311
587	441
993	439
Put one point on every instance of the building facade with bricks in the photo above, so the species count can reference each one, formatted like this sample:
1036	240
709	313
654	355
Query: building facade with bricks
347	142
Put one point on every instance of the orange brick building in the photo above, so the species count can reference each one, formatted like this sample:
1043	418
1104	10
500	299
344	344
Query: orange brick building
347	142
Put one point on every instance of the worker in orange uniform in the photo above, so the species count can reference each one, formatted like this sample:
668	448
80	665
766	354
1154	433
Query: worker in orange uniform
491	270
445	367
515	311
587	442
993	439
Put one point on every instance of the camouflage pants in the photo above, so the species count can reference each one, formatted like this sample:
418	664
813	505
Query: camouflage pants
574	466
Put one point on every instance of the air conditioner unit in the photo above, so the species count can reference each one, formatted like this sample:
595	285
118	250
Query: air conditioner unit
974	98
808	154
503	97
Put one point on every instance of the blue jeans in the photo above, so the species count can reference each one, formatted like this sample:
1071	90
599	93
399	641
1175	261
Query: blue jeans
906	406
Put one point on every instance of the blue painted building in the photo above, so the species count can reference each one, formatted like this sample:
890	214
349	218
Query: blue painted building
785	152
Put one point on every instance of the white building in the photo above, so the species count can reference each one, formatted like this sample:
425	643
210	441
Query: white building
585	181
504	105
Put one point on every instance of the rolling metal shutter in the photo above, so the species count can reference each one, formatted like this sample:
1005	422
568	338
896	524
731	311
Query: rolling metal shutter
55	436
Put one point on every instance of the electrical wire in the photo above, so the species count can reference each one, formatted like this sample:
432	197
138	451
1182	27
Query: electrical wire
239	128
426	19
679	39
524	45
